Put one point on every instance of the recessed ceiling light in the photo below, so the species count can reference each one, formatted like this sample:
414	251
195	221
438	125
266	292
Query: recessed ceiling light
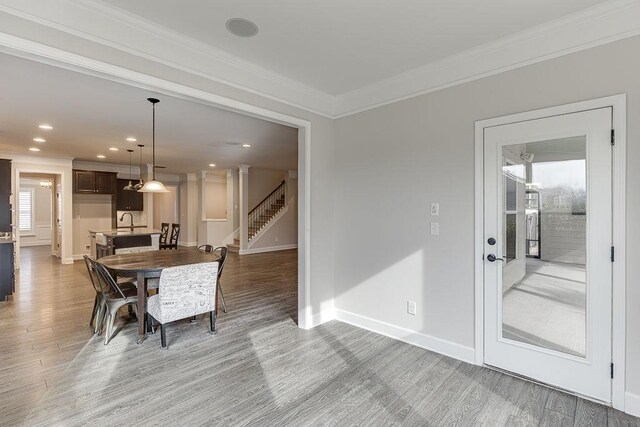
45	126
39	139
34	149
101	156
113	149
241	27
131	139
246	145
212	165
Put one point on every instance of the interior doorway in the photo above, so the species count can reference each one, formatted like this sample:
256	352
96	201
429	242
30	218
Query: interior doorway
547	228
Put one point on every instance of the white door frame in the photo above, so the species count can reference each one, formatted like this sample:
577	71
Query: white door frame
71	61
619	120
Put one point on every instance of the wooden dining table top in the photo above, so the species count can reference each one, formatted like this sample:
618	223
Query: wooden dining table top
154	261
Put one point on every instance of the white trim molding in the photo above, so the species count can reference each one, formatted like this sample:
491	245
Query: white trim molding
419	339
99	22
632	404
268	249
619	121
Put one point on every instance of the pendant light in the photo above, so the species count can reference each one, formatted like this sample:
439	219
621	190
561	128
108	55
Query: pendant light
153	186
140	183
129	186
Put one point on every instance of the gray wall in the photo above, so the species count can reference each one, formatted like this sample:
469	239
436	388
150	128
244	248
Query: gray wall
392	162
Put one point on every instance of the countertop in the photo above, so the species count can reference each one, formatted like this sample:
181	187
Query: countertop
6	240
119	232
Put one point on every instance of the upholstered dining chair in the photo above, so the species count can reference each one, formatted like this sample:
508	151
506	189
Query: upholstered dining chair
115	298
99	304
222	251
185	291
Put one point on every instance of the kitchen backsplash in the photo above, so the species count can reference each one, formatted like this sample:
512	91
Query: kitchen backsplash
139	218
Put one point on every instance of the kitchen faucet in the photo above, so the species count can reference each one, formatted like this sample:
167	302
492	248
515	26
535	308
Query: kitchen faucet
130	216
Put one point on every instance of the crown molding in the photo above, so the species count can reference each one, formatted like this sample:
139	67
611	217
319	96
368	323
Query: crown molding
595	26
99	22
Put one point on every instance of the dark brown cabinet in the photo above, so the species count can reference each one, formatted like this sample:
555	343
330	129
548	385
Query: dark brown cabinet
5	194
94	182
128	200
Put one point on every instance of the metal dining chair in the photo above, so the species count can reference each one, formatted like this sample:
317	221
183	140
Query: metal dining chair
115	298
223	258
185	291
99	304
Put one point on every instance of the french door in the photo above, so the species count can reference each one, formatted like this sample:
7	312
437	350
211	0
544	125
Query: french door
548	316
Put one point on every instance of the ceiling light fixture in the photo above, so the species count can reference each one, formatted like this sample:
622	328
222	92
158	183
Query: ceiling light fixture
113	149
246	145
101	156
140	183
131	139
129	186
153	186
45	127
34	149
38	139
241	27
212	165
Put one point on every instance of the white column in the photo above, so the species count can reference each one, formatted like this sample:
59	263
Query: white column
229	209
243	171
191	237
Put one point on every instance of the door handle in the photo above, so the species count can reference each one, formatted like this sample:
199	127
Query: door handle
493	258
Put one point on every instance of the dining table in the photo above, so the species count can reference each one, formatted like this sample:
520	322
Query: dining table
148	265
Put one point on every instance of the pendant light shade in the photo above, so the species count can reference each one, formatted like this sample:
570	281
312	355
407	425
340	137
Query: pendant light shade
153	186
129	186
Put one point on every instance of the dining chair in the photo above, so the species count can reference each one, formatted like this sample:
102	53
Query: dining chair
185	291
223	258
173	239
164	233
99	304
115	298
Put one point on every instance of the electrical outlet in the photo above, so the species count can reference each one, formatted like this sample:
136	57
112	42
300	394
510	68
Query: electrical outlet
435	228
87	247
411	307
435	209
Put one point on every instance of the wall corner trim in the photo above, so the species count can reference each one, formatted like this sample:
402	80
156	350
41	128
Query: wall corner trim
428	342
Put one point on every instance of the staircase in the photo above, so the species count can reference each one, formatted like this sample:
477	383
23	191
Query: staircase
262	214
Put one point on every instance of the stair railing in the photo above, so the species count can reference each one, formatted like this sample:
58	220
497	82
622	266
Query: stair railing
259	215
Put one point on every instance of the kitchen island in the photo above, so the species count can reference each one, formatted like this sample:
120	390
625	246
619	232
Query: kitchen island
111	242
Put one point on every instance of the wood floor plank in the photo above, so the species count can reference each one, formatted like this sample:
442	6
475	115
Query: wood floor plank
260	369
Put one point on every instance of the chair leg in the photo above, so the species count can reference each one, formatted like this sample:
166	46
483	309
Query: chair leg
95	310
193	319
163	336
111	320
107	332
149	324
100	317
224	305
212	318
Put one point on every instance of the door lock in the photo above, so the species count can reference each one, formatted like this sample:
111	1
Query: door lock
493	258
491	241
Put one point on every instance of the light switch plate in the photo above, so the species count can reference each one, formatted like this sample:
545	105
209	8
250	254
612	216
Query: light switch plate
435	209
435	228
411	307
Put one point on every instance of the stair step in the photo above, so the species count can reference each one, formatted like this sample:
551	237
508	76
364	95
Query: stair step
234	248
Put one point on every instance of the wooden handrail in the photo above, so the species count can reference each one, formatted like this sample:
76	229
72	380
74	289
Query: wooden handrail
266	198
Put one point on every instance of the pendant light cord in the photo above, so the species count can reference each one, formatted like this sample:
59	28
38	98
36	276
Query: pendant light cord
153	139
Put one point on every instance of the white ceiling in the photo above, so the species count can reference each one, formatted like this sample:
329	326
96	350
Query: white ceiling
338	46
90	114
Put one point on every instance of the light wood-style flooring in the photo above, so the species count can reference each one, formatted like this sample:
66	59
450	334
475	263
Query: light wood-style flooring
260	369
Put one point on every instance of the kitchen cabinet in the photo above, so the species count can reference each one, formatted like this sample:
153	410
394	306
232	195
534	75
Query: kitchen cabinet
128	200
92	182
5	195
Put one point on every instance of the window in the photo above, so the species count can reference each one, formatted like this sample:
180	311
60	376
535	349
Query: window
25	203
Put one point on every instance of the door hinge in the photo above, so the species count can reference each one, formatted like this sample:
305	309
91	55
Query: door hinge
612	371
613	137
613	254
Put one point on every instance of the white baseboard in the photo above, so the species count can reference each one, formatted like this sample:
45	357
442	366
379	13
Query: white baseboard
322	317
188	244
438	345
67	260
268	249
79	257
24	244
632	404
